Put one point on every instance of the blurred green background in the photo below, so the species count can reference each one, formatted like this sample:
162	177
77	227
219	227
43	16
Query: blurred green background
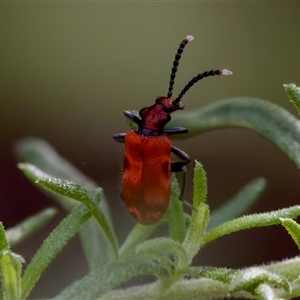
68	70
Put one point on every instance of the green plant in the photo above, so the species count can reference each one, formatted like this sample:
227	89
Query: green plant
169	258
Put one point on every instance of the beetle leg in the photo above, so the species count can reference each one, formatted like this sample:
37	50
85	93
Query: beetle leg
119	137
175	130
178	166
181	167
132	117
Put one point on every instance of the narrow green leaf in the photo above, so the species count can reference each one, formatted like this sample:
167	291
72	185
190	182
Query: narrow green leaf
293	229
90	197
29	226
175	214
289	268
161	248
52	246
265	118
200	185
200	214
100	281
194	237
238	204
4	245
189	289
221	274
250	278
170	254
295	289
293	93
94	244
265	292
138	234
193	289
252	221
39	153
11	267
63	187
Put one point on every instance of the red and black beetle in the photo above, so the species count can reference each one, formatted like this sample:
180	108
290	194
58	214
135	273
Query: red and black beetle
147	169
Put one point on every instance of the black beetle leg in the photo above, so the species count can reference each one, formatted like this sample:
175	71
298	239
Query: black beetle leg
181	167
132	117
175	130
119	137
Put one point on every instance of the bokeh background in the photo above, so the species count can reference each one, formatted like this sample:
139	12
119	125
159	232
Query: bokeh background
68	70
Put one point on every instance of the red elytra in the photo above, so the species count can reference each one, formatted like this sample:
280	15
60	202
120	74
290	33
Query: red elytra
147	168
146	176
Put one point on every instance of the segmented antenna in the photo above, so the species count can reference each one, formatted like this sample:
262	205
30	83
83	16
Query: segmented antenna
189	38
199	77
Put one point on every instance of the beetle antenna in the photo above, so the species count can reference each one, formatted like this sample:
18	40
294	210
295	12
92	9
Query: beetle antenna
199	77
189	38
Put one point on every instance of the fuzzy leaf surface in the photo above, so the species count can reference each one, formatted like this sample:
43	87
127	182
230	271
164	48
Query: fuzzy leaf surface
293	228
252	221
29	226
41	154
293	93
100	281
238	204
11	267
200	214
90	197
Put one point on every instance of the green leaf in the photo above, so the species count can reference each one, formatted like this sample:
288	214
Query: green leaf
137	235
165	249
200	288
94	244
238	204
265	292
11	266
4	245
295	289
200	185
252	221
175	214
100	281
293	93
29	226
90	197
41	154
221	274
52	246
194	237
265	118
289	268
250	279
200	214
191	289
170	254
293	229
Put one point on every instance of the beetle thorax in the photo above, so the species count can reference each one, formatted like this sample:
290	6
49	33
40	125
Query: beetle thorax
155	117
